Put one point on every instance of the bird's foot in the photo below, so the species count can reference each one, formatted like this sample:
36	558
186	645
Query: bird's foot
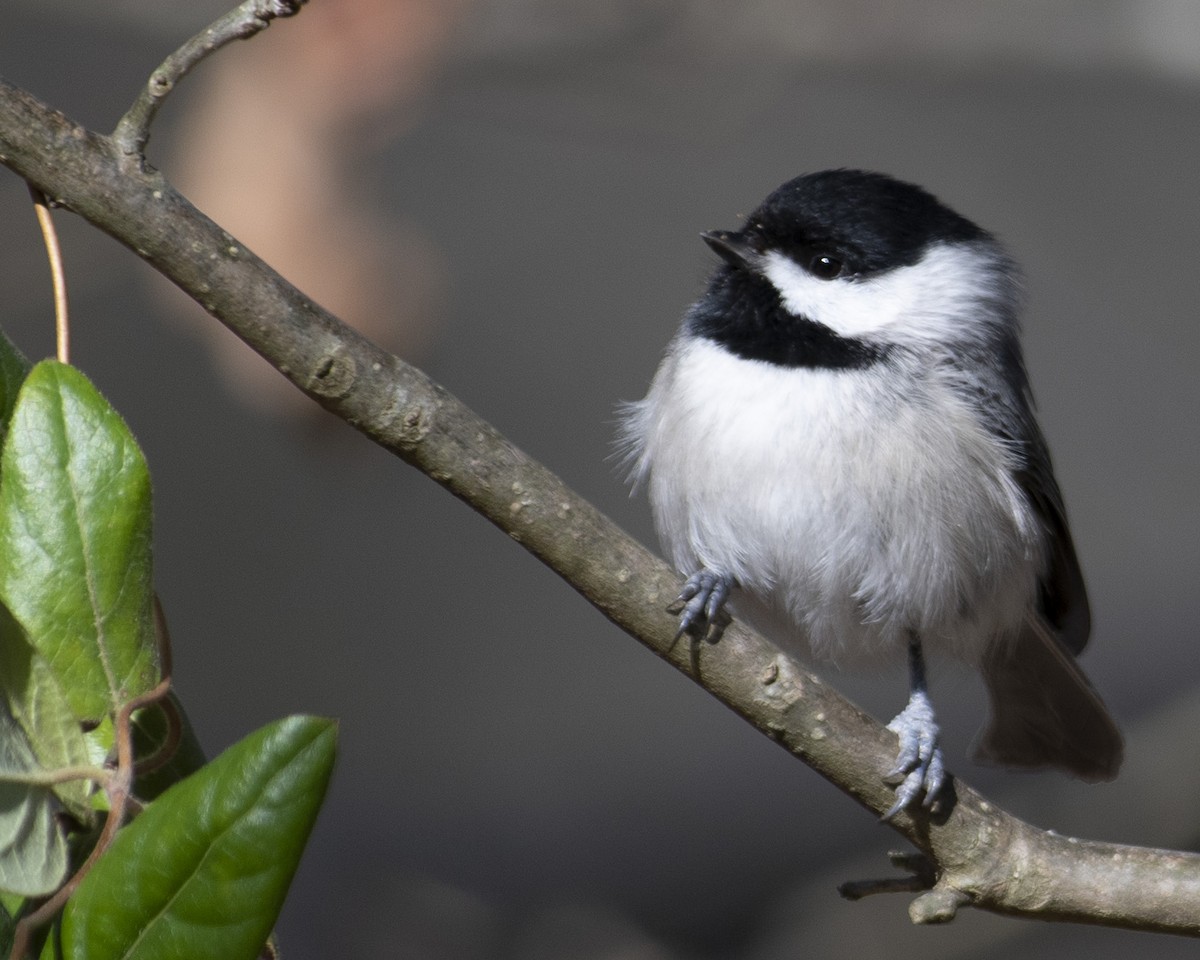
920	771
701	605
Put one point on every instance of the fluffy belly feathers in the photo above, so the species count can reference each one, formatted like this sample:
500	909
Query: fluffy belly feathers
843	538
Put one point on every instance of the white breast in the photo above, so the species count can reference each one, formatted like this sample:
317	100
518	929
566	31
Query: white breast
851	508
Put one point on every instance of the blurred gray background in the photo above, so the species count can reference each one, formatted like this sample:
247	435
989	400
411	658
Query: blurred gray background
517	779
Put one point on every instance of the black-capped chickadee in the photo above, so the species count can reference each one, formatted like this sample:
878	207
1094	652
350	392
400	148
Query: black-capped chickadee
841	443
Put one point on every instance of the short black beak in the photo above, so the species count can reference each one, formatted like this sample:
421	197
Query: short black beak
732	247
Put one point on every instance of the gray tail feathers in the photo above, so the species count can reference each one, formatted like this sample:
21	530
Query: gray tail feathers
1044	711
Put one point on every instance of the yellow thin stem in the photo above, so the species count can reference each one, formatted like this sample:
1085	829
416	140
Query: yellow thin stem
62	325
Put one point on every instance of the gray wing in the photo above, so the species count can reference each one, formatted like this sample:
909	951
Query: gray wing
1005	404
1062	597
1044	712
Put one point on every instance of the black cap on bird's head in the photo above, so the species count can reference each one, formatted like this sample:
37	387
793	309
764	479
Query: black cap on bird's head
869	222
836	268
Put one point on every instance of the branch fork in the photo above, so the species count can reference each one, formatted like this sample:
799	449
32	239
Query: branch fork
132	133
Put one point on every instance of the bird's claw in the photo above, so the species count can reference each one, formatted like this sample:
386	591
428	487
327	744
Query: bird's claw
701	605
919	771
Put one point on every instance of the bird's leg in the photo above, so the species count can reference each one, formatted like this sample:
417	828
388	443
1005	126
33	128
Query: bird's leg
919	768
701	605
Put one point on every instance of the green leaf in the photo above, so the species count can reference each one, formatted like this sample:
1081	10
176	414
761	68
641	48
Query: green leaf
33	848
75	540
36	702
202	873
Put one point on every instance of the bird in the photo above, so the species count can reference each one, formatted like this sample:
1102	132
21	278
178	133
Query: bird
840	448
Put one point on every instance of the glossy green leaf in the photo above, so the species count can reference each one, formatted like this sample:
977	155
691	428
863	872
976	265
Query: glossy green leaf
202	873
33	847
75	540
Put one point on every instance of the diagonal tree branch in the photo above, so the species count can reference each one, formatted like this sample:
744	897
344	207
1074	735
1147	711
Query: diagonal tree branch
981	856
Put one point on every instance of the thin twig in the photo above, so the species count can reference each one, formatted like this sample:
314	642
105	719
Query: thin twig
62	323
170	743
52	778
124	729
133	131
923	877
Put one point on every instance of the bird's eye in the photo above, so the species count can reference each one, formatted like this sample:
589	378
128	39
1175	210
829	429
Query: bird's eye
824	266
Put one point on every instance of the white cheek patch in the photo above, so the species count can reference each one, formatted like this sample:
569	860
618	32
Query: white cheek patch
934	300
